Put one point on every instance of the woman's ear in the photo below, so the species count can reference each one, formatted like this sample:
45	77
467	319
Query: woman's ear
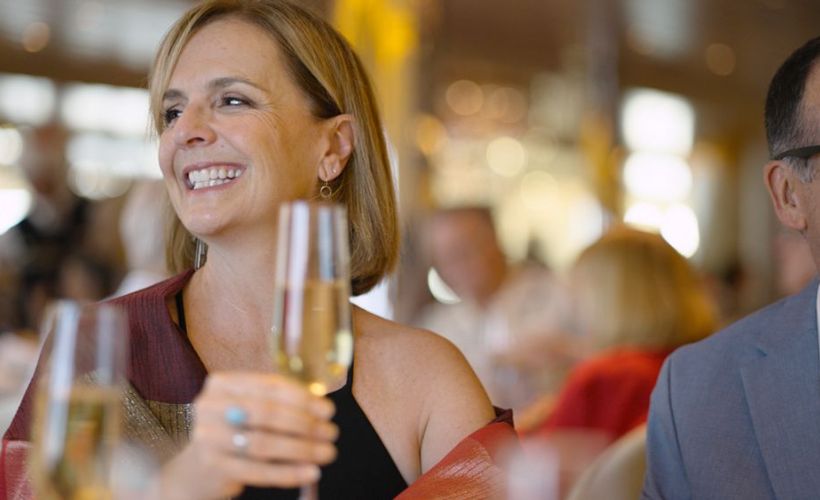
341	142
788	194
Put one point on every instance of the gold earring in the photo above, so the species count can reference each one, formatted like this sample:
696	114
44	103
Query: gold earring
325	191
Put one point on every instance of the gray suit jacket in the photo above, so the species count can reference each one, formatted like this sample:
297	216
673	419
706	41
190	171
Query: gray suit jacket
738	415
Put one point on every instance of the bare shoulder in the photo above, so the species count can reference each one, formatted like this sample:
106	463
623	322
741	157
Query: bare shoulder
422	377
403	350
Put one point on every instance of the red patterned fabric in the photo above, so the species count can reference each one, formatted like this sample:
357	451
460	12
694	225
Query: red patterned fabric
608	393
472	469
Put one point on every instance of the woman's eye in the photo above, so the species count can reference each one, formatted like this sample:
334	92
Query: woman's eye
169	115
234	101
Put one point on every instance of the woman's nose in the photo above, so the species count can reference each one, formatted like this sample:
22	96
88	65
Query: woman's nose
193	127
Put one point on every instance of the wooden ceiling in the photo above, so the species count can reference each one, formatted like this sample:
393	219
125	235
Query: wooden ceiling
510	41
490	40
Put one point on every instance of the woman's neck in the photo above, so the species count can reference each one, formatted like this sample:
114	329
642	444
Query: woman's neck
235	286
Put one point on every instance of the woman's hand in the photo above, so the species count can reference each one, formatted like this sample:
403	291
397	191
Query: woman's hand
251	429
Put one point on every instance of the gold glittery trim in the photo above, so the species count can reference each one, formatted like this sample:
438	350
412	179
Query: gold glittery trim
161	428
176	419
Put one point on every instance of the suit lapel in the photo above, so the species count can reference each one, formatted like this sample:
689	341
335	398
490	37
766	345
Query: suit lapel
783	392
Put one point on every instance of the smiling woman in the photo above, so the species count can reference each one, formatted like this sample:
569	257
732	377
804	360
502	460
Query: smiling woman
318	67
257	103
227	108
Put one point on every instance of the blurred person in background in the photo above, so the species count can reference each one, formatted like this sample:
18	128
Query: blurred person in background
736	415
54	228
636	299
83	278
143	234
504	310
11	317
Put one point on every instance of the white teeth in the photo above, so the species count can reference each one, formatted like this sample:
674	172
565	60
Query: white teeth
209	183
213	176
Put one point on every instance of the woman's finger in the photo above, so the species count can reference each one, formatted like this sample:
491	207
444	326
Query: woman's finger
267	386
264	446
265	415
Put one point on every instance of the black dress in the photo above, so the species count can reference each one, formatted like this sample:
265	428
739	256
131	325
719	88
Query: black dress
363	468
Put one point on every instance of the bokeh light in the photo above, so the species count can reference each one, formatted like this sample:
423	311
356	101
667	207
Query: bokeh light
506	156
465	97
658	177
720	59
680	229
657	121
439	289
11	145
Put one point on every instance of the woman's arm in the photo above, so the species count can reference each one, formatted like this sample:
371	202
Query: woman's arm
456	404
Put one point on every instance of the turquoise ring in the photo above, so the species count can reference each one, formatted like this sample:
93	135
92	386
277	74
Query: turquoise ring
236	416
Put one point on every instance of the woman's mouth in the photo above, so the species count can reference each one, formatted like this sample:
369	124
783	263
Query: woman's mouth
212	176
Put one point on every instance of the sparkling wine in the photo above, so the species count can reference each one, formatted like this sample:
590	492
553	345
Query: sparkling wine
312	337
76	436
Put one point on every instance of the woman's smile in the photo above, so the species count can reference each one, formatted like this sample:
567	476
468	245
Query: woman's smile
211	175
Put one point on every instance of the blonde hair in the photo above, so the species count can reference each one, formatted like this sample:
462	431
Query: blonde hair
327	70
633	289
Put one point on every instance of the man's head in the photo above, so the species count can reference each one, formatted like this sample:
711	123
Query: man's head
466	252
792	128
787	127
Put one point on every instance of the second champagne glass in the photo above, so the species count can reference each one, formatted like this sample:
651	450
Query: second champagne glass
77	404
312	339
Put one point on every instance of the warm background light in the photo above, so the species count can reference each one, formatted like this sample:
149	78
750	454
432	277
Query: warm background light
658	177
506	156
657	121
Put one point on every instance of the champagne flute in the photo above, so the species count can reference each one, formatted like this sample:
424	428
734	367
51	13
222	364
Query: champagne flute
311	334
77	403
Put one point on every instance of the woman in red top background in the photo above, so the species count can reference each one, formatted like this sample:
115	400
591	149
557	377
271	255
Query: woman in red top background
638	299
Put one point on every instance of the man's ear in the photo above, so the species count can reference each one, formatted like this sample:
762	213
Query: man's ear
788	193
341	141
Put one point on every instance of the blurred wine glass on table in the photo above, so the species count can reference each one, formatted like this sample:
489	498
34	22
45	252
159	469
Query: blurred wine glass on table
312	338
78	403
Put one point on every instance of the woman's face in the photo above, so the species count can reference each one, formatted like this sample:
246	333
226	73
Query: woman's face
239	136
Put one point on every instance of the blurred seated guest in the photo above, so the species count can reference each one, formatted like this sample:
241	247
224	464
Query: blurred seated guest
83	278
54	228
10	314
638	299
142	230
501	309
257	103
